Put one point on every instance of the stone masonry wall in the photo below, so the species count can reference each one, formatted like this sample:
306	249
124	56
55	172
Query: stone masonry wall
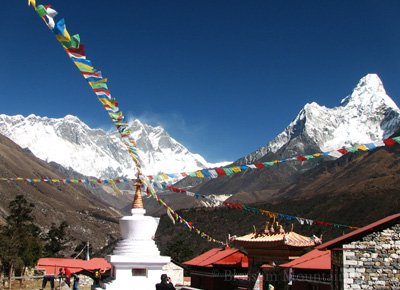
374	261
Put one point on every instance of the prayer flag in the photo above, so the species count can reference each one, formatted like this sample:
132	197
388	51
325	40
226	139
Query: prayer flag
32	2
84	67
220	172
98	85
362	147
41	10
352	149
228	171
236	169
75	42
81	60
389	142
77	52
61	31
199	174
370	146
301	158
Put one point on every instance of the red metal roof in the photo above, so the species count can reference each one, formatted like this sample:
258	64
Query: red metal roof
236	259
361	232
219	256
52	265
315	259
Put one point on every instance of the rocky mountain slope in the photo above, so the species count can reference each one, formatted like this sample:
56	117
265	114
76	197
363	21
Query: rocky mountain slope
367	115
90	218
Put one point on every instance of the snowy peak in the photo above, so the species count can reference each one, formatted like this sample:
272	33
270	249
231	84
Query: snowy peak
93	152
369	94
367	115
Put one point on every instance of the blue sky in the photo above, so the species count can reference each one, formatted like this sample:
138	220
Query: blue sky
223	77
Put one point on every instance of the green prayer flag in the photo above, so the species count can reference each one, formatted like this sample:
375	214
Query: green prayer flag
397	139
268	163
99	86
352	149
228	171
41	10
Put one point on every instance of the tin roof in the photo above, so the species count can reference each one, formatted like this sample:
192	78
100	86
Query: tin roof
225	256
315	259
361	232
52	265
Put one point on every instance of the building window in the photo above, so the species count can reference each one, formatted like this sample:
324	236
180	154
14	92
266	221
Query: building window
139	272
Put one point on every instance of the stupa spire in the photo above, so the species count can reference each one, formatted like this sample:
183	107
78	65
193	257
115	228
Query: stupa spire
137	200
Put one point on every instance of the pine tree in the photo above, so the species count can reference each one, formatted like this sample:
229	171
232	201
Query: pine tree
20	246
56	240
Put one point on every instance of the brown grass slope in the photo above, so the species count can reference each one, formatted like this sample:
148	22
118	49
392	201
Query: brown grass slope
89	217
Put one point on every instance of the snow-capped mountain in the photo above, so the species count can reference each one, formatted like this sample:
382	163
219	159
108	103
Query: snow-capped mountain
94	152
367	115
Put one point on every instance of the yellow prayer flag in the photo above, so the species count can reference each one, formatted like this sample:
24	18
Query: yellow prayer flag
84	67
108	102
98	82
199	174
362	147
32	2
64	38
316	154
236	169
164	176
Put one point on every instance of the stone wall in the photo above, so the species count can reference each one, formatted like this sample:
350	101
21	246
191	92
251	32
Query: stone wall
374	261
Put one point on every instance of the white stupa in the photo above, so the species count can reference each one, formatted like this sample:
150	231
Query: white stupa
136	261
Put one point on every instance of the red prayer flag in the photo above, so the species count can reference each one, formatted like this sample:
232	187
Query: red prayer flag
220	172
301	158
389	142
343	151
259	165
80	50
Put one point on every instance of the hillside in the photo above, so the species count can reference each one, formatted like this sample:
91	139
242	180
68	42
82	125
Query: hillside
356	189
89	217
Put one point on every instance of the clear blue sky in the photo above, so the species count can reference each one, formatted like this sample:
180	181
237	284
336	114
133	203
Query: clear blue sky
223	77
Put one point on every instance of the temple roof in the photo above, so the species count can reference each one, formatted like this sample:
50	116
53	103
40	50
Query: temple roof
289	239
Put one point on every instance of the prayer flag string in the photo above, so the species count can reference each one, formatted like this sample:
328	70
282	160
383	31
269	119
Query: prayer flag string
270	214
160	180
76	52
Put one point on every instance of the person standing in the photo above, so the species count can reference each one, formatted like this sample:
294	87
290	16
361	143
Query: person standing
48	278
61	275
75	286
165	284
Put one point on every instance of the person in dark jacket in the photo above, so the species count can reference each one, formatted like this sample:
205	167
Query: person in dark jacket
75	286
165	284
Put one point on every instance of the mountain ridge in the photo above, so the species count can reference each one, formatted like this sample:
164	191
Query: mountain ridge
367	100
94	152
